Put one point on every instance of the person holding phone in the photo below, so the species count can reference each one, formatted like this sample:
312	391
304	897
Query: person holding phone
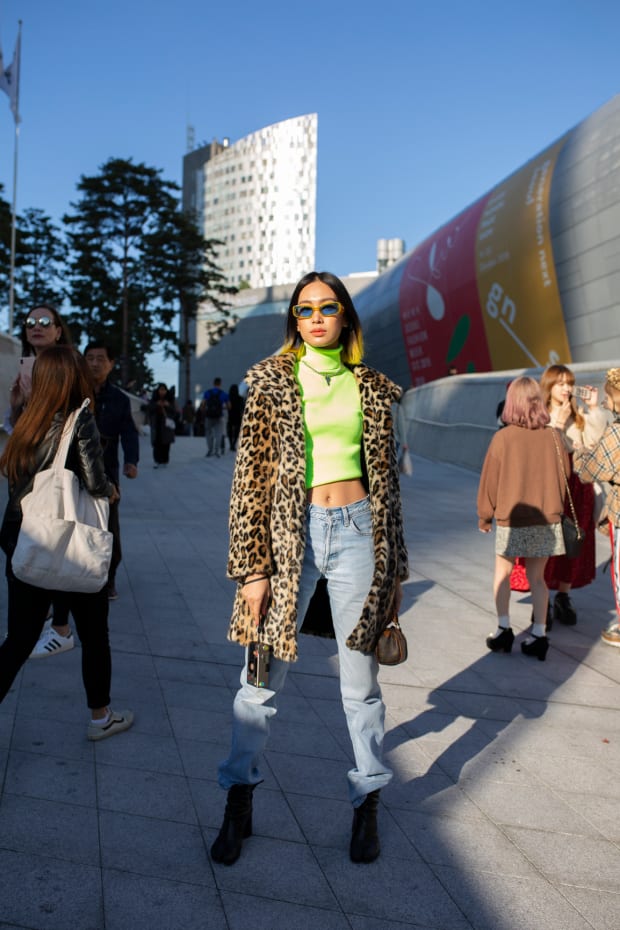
316	543
581	425
42	327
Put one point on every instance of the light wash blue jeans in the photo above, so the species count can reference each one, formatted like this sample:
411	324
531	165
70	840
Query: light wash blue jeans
339	548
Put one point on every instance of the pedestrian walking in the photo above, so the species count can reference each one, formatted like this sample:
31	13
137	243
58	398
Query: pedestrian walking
215	407
315	514
162	420
522	489
60	383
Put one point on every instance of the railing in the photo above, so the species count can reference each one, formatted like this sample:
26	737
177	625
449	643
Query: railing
453	419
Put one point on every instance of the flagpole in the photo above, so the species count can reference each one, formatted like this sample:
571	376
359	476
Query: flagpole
14	207
13	221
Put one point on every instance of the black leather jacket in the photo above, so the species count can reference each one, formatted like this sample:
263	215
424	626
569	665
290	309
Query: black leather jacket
85	458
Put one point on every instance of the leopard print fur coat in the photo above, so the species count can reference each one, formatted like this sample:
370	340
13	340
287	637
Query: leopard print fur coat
268	505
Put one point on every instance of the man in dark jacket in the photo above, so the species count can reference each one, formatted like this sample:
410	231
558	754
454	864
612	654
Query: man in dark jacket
114	422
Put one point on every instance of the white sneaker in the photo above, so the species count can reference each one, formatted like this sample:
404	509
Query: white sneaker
117	722
50	643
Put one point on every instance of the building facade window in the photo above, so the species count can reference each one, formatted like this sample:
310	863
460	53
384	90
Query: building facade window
280	162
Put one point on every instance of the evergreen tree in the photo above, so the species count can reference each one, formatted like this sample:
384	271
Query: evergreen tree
39	259
113	292
184	268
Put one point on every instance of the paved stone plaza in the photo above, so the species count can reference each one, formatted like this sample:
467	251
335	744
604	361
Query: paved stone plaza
504	811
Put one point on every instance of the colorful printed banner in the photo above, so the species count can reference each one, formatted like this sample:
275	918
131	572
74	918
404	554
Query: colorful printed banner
481	293
517	283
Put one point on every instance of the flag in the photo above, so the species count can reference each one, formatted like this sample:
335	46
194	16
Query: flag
9	77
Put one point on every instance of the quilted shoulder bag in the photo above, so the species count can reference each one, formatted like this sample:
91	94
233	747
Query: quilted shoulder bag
574	535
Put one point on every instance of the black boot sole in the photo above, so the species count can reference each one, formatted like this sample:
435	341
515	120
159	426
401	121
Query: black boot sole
231	846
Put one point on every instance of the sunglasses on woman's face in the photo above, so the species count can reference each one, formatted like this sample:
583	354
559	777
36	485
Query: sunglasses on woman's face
325	308
43	321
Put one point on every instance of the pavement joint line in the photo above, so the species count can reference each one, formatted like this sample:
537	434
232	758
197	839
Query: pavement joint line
483	889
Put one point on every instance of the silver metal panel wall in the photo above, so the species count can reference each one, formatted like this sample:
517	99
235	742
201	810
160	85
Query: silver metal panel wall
585	228
453	419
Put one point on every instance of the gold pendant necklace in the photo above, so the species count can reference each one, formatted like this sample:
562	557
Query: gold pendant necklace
328	375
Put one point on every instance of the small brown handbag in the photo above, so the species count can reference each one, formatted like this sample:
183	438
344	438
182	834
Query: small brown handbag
391	648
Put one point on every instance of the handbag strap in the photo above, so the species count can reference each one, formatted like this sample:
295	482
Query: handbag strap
570	496
66	437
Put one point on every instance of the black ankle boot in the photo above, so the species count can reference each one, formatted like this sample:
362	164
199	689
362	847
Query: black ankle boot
237	825
563	609
502	642
364	837
537	647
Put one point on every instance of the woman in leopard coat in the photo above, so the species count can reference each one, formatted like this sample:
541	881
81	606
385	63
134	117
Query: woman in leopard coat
316	541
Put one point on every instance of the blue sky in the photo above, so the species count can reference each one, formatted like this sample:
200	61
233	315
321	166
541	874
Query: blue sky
422	107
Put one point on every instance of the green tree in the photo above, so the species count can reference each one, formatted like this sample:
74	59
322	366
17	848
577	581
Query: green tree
40	255
185	275
113	292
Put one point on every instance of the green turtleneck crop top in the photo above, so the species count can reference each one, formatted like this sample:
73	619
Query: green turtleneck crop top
332	417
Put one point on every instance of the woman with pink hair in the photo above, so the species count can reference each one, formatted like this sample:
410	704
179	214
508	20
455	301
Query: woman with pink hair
522	489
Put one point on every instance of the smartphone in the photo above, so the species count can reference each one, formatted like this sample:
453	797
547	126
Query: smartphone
259	660
25	373
583	393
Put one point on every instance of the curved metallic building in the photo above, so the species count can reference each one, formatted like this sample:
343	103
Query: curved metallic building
527	275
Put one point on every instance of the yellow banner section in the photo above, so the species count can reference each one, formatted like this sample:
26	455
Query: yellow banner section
517	284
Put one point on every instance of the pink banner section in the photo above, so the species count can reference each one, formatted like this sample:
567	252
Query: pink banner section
439	307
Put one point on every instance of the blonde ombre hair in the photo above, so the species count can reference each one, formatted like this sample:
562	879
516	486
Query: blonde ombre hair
612	387
351	337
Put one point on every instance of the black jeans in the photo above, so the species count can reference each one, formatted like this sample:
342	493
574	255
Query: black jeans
161	453
26	615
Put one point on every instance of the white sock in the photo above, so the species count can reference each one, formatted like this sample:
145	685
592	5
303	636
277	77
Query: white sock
538	629
503	623
102	721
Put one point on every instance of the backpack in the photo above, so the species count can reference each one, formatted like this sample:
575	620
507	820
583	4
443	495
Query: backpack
213	409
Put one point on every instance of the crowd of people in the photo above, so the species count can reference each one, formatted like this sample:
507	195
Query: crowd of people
540	470
316	542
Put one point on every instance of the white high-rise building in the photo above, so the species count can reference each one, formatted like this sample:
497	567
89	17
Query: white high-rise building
258	196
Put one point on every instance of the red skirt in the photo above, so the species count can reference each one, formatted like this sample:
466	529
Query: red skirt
577	572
